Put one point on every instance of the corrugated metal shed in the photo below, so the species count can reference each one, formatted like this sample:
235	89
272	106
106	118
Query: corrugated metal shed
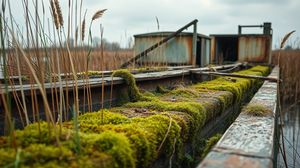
177	51
255	48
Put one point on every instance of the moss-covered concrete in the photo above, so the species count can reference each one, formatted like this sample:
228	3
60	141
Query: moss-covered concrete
146	128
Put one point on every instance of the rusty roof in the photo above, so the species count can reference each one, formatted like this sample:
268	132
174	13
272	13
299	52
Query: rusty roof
166	33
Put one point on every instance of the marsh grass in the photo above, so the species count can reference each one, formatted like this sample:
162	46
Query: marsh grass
45	53
290	68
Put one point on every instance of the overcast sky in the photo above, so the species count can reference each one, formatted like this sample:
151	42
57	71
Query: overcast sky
125	18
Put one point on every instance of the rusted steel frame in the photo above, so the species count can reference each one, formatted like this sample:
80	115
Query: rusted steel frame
145	52
241	26
240	76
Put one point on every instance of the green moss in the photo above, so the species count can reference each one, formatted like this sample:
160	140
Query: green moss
38	155
92	145
95	159
223	85
40	133
257	109
226	100
237	86
158	127
141	147
187	92
132	94
210	143
161	89
110	139
265	70
196	110
118	146
7	157
90	73
133	91
102	117
148	94
183	120
41	153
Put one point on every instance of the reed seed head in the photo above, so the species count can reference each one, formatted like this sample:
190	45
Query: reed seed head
59	13
98	14
83	30
285	38
76	34
54	13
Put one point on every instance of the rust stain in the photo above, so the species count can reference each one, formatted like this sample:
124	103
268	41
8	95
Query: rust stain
177	51
213	47
254	48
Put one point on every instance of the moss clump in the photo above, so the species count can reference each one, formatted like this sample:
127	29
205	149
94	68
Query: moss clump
139	143
90	73
7	157
210	143
102	117
109	149
196	110
257	110
133	91
38	155
41	133
223	85
161	132
161	89
132	94
187	92
264	70
237	86
116	145
183	120
145	136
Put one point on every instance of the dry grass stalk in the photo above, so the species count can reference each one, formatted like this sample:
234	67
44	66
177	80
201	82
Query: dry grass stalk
157	22
279	95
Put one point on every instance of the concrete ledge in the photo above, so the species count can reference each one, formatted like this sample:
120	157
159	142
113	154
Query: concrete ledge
249	141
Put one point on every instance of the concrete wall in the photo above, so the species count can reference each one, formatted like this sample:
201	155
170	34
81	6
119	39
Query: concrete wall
250	141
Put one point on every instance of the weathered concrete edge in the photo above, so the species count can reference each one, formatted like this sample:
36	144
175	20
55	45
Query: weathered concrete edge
250	140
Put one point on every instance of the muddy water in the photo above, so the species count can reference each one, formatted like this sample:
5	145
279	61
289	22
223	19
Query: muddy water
291	133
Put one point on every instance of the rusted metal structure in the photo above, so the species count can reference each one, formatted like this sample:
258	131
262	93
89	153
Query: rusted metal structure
164	40
172	48
177	51
255	48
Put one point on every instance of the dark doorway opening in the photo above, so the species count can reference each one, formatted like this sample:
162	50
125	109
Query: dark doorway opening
227	49
198	52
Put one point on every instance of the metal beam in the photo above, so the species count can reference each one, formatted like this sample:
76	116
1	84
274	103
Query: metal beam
240	76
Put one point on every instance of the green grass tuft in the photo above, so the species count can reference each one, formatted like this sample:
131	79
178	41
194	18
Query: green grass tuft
257	110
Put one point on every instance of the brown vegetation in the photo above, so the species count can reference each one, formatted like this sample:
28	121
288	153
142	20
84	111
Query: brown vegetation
112	60
289	64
